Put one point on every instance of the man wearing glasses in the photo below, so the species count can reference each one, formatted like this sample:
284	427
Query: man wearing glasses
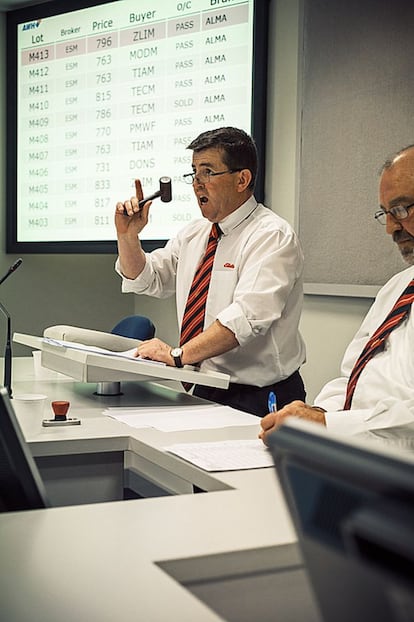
374	396
242	317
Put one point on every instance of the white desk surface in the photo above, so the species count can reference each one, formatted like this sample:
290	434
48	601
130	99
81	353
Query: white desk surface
99	562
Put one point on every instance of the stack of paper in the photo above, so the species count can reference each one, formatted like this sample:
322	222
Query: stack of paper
174	419
129	354
224	455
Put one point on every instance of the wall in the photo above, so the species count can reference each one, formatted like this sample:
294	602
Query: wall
356	109
84	291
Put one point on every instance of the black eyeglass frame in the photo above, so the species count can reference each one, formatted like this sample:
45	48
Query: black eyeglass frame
399	212
189	178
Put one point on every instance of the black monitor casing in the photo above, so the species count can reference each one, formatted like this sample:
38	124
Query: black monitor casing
21	487
353	508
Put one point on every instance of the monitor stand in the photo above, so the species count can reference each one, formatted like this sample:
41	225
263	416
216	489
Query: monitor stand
108	388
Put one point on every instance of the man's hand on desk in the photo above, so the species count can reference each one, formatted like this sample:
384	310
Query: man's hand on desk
214	340
156	350
273	421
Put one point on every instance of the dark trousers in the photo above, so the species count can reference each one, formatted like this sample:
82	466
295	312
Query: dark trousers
252	399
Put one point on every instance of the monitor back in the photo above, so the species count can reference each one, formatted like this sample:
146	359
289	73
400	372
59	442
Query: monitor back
21	487
353	509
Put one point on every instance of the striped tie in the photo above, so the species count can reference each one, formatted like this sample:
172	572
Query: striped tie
375	344
195	309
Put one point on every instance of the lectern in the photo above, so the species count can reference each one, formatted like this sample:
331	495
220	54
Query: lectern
107	370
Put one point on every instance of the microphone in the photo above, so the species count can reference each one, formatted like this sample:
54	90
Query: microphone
12	269
164	192
8	350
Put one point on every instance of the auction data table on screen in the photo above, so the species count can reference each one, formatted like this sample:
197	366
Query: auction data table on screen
113	92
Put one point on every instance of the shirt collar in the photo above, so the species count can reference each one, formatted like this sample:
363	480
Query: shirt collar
231	221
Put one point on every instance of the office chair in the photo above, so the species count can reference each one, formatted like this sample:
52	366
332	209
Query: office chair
135	327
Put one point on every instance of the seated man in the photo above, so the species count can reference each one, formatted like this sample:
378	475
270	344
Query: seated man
375	393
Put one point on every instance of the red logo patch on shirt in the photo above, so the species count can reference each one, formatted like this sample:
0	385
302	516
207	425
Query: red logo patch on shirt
229	265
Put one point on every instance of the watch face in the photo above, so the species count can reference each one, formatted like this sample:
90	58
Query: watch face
176	353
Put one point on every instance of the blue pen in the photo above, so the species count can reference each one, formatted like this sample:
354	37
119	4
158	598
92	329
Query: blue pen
271	402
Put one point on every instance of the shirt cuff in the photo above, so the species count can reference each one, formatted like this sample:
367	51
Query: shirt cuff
347	422
233	319
137	285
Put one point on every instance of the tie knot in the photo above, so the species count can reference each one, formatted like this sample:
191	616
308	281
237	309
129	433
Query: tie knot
215	231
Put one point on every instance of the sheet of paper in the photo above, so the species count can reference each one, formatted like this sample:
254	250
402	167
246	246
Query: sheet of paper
129	354
174	419
224	455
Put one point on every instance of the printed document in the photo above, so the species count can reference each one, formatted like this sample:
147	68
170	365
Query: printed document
194	417
128	354
224	455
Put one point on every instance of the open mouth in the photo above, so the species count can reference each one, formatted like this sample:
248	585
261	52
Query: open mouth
203	200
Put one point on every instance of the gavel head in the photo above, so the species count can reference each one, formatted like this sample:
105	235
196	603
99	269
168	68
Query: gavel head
165	189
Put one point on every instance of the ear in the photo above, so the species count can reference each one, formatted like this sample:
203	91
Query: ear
245	177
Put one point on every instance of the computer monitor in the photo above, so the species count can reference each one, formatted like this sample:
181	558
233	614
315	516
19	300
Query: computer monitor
21	487
352	504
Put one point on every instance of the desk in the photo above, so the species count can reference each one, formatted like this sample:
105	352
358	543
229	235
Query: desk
131	560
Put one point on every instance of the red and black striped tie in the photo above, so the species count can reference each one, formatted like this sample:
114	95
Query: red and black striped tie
195	309
376	342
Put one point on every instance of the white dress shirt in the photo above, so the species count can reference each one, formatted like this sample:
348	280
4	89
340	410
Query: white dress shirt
383	402
255	290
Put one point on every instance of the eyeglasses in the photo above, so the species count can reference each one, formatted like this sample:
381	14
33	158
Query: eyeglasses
399	212
203	176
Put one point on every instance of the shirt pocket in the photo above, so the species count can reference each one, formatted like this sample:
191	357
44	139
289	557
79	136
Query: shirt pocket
221	291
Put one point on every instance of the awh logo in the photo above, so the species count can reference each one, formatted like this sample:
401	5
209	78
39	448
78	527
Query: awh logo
32	25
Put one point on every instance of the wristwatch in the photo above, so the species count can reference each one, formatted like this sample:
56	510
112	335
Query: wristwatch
177	353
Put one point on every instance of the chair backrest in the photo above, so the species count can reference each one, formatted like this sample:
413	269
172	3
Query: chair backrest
21	487
135	327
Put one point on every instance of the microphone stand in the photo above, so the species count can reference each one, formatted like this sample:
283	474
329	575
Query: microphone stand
7	353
